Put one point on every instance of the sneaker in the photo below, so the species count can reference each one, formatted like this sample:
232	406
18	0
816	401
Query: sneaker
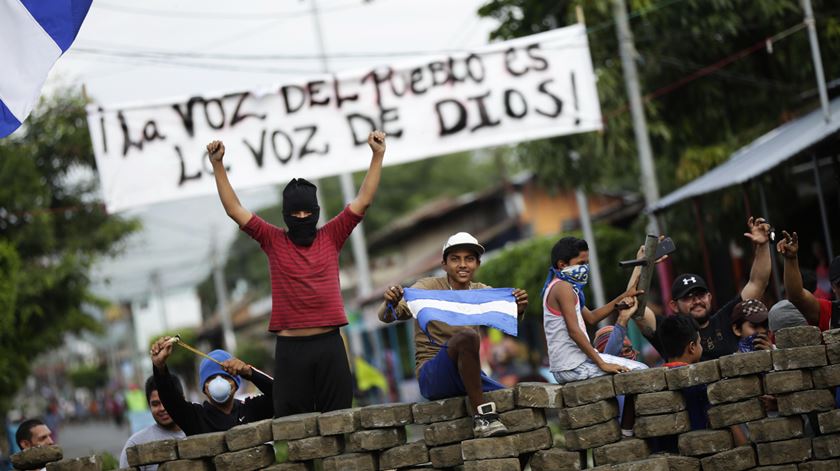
487	422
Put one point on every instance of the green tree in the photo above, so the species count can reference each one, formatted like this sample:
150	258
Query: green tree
52	229
90	377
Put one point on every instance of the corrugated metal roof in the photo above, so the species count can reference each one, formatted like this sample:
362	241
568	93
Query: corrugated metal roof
761	155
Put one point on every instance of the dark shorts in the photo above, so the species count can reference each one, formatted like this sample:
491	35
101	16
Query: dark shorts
439	378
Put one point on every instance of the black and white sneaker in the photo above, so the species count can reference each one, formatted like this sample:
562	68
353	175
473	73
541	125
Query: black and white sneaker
487	423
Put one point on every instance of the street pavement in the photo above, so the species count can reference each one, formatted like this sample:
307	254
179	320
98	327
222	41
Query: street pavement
85	439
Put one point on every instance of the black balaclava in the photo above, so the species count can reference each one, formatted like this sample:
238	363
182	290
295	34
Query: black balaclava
299	195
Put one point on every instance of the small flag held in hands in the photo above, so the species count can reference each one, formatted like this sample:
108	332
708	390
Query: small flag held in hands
491	307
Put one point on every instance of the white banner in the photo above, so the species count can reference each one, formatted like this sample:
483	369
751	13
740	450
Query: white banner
528	88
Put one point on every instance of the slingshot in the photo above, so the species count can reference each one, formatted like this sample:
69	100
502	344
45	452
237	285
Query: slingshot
176	340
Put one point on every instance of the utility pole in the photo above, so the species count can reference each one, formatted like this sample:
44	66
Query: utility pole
154	278
348	189
627	51
810	23
228	337
589	235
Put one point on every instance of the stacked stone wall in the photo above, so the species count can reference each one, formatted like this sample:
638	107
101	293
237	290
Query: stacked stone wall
804	434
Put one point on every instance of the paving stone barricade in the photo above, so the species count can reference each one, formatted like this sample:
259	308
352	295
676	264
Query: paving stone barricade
804	434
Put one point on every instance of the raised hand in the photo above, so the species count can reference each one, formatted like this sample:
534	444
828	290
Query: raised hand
235	366
626	308
376	141
759	232
160	351
789	245
216	150
393	294
521	299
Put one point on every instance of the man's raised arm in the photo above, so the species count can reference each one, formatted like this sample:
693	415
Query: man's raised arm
760	272
376	141
796	293
233	208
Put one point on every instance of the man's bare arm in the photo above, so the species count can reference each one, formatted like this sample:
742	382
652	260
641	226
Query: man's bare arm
230	201
364	198
797	294
760	272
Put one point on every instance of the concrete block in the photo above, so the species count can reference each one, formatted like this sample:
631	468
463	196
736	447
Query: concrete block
340	421
404	456
375	439
724	415
315	447
683	377
245	460
187	465
736	459
741	364
735	389
775	429
593	436
295	427
86	463
487	448
831	336
205	445
592	390
523	420
820	465
291	466
503	398
804	402
664	402
543	395
622	451
351	462
661	463
827	376
777	467
826	446
640	381
589	414
37	457
704	442
446	456
386	415
662	425
829	421
249	435
799	357
555	459
452	431
795	450
780	382
833	353
501	464
439	411
539	439
801	336
154	452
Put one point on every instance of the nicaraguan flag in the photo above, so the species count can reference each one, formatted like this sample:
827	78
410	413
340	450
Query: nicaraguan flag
493	307
33	35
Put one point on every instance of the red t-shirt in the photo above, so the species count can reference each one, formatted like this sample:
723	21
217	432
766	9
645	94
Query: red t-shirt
829	314
305	291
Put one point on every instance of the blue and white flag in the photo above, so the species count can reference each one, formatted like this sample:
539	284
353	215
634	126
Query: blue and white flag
33	35
493	307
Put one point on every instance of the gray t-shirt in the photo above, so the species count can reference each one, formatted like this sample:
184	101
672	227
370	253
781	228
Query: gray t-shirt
152	433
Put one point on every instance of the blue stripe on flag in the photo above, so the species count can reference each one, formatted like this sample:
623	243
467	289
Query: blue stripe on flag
8	122
504	322
472	296
61	19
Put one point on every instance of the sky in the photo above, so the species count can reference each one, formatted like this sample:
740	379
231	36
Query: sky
136	52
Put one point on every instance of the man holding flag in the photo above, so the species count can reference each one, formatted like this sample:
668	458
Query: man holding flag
445	333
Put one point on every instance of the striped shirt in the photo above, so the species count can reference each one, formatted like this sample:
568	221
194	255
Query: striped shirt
305	290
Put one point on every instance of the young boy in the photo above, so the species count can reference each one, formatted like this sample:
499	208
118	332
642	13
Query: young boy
447	358
749	324
570	354
306	305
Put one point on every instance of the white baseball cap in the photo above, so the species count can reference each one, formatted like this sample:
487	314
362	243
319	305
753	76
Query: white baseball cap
463	239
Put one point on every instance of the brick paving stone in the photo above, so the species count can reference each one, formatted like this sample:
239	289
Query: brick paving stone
539	439
820	465
543	395
85	463
787	451
386	415
37	457
487	448
627	449
503	398
724	415
446	456
826	377
779	382
249	435
589	414
404	456
555	459
801	336
315	447
452	431
340	421
799	357
804	402
740	364
775	429
829	421
592	390
205	445
736	459
704	372
662	425
501	464
523	420
734	389
187	465
375	439
295	427
663	402
640	381
245	460
439	411
351	462
153	452
704	442
826	446
593	436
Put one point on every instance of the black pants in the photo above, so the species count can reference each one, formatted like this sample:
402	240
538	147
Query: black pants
311	374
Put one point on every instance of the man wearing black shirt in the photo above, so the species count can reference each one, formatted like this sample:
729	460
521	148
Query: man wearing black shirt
691	297
221	411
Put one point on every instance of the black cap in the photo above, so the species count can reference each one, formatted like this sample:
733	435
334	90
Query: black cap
834	270
685	283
